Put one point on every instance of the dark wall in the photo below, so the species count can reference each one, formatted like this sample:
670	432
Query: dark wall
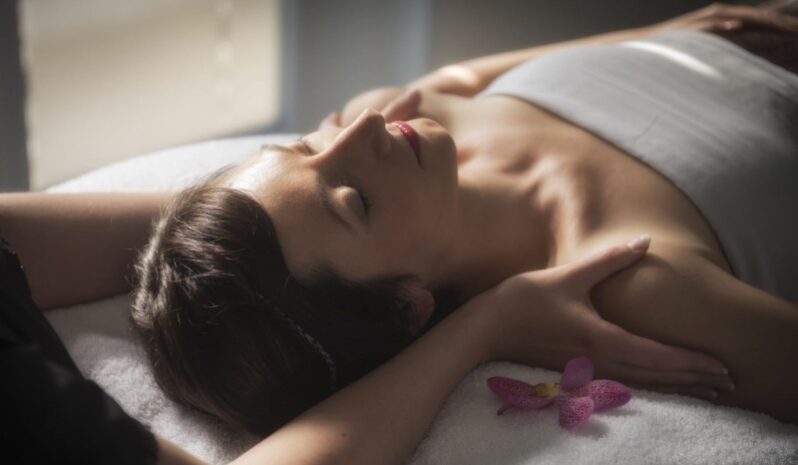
337	48
13	153
342	47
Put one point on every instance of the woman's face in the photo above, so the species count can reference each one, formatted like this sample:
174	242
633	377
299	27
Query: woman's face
357	199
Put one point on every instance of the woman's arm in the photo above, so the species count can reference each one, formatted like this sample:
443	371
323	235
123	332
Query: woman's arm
467	78
381	418
738	23
471	77
78	247
680	298
170	453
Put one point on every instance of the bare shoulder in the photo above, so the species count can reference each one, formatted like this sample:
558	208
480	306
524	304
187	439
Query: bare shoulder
668	285
678	296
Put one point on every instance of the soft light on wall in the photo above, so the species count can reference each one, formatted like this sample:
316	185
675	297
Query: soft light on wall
108	79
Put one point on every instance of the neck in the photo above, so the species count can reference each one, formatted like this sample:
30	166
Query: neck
503	228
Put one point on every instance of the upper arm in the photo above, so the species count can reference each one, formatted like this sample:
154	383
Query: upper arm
683	299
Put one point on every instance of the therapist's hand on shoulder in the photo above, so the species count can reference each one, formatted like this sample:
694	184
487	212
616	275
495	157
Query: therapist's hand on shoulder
545	318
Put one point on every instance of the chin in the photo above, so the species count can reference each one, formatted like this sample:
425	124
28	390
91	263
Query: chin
437	134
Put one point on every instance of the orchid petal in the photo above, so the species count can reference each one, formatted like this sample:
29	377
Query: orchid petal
517	394
575	411
578	372
608	394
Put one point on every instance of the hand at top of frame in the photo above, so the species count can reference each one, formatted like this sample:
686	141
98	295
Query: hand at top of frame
724	18
395	103
545	318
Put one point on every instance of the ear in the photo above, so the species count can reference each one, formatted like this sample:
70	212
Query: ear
422	301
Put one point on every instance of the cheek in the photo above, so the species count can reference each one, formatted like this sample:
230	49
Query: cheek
413	234
414	224
414	212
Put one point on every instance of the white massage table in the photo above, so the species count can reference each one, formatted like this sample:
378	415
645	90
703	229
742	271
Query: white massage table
651	429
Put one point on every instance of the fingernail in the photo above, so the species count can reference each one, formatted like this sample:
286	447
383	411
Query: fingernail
639	244
731	24
712	394
719	371
729	386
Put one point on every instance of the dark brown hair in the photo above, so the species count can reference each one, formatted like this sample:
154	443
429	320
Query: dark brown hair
209	286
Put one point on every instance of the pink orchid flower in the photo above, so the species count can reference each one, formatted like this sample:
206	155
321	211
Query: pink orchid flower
577	394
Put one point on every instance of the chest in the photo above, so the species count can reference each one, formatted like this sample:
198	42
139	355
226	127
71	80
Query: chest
604	194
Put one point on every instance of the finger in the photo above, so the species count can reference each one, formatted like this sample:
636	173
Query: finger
632	349
760	17
403	107
632	374
590	271
331	120
703	392
716	25
722	27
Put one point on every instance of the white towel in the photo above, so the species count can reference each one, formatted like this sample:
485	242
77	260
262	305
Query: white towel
651	429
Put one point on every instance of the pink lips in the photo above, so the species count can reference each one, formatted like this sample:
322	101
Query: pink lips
412	138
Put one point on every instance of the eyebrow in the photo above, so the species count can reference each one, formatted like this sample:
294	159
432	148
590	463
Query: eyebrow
321	192
277	148
324	197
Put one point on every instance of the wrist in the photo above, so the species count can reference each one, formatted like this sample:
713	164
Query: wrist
520	318
483	322
647	31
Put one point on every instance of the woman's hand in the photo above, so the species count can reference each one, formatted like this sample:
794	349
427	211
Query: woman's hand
545	318
767	30
395	103
721	17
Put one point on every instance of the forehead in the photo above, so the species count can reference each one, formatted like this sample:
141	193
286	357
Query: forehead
258	173
287	190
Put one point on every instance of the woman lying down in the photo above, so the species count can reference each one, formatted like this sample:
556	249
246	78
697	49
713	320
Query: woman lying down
329	294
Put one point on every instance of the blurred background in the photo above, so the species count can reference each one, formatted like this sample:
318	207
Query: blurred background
84	83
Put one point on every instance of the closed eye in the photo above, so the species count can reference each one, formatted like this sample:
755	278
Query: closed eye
306	146
365	201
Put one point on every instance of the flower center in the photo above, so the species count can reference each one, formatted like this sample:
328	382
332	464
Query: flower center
547	389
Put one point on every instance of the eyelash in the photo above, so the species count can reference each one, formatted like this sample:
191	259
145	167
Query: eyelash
308	149
367	203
